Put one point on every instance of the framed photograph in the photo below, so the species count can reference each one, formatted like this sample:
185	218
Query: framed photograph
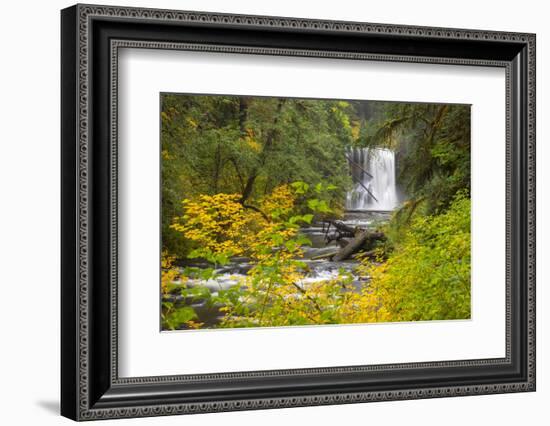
263	212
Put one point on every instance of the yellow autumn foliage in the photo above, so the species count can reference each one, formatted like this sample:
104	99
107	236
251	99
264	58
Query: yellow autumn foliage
168	272
425	277
215	222
221	224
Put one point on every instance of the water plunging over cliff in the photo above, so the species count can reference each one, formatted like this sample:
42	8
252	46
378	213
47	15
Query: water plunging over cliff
373	173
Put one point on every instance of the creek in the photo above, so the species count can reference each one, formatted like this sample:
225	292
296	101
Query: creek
235	271
368	204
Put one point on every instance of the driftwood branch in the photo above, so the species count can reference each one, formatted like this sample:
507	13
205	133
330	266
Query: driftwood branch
342	227
364	171
350	239
341	231
328	255
358	165
368	190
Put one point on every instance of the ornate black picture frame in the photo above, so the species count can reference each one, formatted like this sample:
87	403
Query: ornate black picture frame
91	36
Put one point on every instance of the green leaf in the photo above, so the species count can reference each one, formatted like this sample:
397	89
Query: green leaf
313	204
323	207
303	240
193	254
184	314
179	317
277	239
318	188
291	245
307	218
300	187
200	292
207	274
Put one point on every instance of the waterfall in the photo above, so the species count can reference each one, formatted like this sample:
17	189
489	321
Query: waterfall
372	170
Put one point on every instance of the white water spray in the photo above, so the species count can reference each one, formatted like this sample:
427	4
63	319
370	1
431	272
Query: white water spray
373	172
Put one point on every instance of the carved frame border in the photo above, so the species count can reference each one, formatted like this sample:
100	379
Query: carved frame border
85	13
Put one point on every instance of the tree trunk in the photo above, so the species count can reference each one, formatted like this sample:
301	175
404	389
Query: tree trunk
243	114
247	192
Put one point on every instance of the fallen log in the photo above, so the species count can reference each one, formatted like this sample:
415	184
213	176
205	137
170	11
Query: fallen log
342	227
342	242
353	246
325	255
335	236
363	239
341	231
371	255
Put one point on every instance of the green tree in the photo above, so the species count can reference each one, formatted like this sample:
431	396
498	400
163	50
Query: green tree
432	142
250	145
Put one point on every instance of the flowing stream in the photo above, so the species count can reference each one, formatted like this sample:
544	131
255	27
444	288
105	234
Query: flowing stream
368	204
318	270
